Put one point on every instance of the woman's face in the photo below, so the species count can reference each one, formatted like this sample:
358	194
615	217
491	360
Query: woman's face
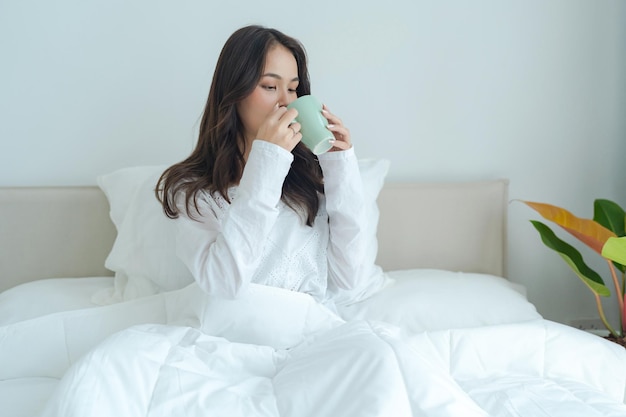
278	84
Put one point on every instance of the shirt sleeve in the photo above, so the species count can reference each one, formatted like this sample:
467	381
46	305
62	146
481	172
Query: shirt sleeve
346	216
223	254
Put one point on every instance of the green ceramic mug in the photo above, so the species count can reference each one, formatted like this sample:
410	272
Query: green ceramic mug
315	135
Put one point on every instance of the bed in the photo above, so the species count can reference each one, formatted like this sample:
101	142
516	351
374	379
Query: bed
97	318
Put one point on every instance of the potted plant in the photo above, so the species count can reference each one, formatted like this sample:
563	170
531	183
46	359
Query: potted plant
604	234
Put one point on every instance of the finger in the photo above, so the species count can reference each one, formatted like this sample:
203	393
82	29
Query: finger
295	127
276	114
289	116
279	110
332	119
341	132
293	140
340	145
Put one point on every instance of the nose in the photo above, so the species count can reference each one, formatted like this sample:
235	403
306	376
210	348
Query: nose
285	97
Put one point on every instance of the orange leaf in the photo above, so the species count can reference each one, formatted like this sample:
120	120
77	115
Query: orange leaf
589	232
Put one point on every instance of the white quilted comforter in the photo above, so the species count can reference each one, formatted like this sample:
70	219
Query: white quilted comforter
277	353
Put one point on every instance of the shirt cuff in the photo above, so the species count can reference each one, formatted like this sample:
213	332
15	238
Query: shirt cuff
266	168
271	150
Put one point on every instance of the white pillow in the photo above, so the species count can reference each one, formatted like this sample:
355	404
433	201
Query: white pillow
427	299
372	278
261	315
144	258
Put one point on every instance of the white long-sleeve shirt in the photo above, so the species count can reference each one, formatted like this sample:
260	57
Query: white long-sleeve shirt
258	238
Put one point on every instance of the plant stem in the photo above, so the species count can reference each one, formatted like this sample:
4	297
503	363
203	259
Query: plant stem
624	298
620	295
603	318
623	316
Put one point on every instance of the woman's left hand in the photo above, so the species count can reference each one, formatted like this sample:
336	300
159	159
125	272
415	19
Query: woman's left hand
342	134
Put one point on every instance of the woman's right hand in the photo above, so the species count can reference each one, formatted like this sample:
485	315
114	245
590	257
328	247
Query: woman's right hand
279	129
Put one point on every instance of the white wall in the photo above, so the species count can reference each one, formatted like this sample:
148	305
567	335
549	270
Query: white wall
530	90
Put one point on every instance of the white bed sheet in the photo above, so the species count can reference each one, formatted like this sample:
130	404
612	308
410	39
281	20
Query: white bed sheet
47	296
415	299
26	397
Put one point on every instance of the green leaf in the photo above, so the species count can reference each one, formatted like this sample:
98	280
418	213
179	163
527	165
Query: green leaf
615	250
613	217
610	215
573	258
591	233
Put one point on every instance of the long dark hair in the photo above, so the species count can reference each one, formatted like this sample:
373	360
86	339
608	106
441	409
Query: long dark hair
217	161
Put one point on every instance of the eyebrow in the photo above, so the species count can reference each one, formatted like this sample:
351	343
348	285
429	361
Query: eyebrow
278	77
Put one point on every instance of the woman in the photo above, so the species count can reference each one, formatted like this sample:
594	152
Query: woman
252	203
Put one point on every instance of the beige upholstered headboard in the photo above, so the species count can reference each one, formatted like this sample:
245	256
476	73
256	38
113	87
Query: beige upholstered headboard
66	231
454	226
53	232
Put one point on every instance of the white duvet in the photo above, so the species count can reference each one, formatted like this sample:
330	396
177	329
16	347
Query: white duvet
278	353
